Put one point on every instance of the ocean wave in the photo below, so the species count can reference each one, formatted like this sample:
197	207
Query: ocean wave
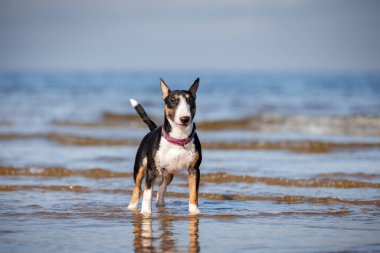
107	119
73	188
289	199
19	136
88	141
106	213
349	125
324	182
301	146
351	175
61	172
215	178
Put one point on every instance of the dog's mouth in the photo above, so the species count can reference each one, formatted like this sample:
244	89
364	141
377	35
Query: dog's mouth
183	124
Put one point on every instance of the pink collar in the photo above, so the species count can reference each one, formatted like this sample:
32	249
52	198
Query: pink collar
180	142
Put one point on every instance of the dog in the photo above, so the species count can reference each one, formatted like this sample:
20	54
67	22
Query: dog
168	149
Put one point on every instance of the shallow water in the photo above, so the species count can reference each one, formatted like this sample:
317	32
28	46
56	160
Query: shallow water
291	164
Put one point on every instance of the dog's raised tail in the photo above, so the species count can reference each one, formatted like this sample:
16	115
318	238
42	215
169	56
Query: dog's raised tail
141	112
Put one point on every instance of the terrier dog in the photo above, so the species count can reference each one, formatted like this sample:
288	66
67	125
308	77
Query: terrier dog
168	149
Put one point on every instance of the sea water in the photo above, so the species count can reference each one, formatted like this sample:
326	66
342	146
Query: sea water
291	163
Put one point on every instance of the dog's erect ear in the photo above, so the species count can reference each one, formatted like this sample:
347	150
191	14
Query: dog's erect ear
165	89
194	87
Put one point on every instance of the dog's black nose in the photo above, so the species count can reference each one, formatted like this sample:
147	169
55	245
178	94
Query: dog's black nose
184	119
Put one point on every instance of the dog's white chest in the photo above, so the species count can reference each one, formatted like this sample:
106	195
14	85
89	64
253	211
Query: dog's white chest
172	158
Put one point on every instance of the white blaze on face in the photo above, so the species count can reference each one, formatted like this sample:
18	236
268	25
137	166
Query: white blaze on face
183	110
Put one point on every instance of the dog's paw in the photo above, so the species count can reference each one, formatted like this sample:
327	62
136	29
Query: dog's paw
193	209
146	213
160	203
132	207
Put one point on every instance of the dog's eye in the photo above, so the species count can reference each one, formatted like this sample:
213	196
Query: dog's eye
173	100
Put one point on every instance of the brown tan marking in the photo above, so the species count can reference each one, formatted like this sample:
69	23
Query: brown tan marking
169	112
193	191
137	189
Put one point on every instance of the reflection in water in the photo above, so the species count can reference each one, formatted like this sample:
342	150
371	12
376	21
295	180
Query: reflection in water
144	238
167	243
143	234
194	234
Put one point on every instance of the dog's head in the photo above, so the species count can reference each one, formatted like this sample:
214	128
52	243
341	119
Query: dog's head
180	104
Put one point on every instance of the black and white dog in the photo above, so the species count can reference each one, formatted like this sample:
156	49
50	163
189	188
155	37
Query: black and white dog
168	149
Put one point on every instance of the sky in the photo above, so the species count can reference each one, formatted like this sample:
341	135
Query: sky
201	35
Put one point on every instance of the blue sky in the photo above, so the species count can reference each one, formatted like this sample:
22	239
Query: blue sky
242	35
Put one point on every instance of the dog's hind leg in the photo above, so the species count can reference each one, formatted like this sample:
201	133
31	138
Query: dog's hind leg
146	207
137	190
166	180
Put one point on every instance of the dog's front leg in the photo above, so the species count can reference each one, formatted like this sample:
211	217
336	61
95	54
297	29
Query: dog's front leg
148	189
194	177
